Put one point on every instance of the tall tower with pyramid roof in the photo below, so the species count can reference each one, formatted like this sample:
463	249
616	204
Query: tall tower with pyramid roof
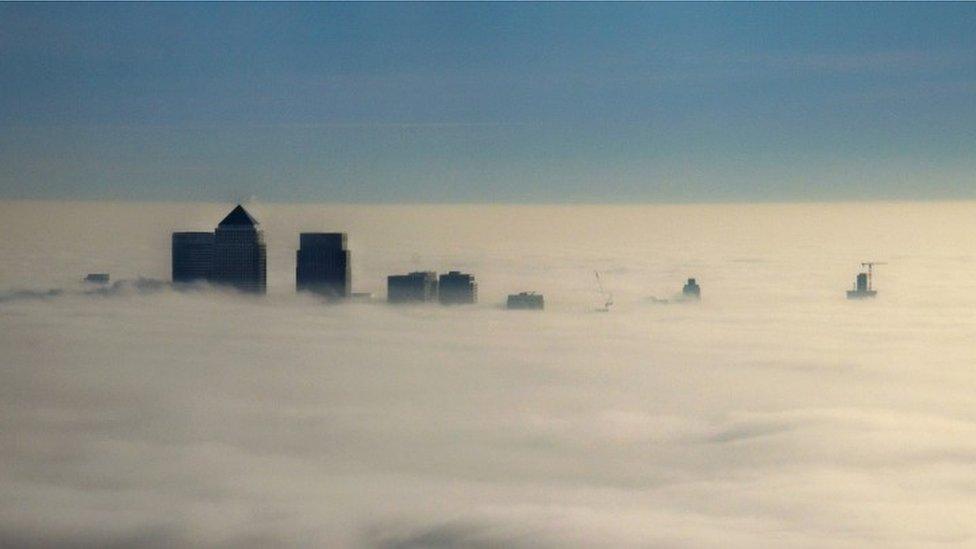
239	257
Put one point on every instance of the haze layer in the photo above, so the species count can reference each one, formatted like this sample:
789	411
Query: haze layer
774	413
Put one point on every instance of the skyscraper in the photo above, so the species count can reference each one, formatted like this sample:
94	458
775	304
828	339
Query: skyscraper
413	287
456	287
322	264
239	257
192	256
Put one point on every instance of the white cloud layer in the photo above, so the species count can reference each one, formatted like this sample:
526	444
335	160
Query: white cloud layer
773	414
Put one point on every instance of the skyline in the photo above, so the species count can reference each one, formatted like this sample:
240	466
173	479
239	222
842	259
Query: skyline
499	274
768	411
485	103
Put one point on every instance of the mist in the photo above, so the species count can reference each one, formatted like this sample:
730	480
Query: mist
775	413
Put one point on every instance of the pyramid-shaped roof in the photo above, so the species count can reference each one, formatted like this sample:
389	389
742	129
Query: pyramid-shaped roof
238	217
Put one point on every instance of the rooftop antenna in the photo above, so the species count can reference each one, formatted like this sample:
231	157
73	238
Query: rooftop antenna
607	295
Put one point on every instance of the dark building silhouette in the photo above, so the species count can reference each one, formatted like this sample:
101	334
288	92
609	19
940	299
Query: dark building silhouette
862	284
526	300
862	288
322	265
691	290
413	287
456	287
239	256
97	278
192	256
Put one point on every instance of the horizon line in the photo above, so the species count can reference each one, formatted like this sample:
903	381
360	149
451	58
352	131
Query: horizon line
259	202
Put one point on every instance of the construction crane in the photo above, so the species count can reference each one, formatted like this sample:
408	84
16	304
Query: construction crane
863	287
870	265
606	294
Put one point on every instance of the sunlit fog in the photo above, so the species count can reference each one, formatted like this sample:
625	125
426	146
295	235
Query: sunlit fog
773	413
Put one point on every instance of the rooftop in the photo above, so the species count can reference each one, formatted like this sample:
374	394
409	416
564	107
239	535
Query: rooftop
238	217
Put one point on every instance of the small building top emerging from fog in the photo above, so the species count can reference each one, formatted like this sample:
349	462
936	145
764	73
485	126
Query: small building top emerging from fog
238	217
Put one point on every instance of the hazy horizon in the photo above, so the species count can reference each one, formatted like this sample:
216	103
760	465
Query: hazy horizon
591	152
775	413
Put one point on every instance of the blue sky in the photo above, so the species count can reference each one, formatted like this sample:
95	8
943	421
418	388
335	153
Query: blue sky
488	102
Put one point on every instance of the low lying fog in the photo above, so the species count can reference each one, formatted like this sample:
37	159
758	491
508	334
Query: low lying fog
775	413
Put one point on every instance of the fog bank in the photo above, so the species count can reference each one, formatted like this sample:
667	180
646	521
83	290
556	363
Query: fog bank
774	414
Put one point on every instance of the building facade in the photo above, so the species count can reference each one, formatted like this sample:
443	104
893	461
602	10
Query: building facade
192	256
239	255
412	288
456	288
97	278
526	300
322	265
